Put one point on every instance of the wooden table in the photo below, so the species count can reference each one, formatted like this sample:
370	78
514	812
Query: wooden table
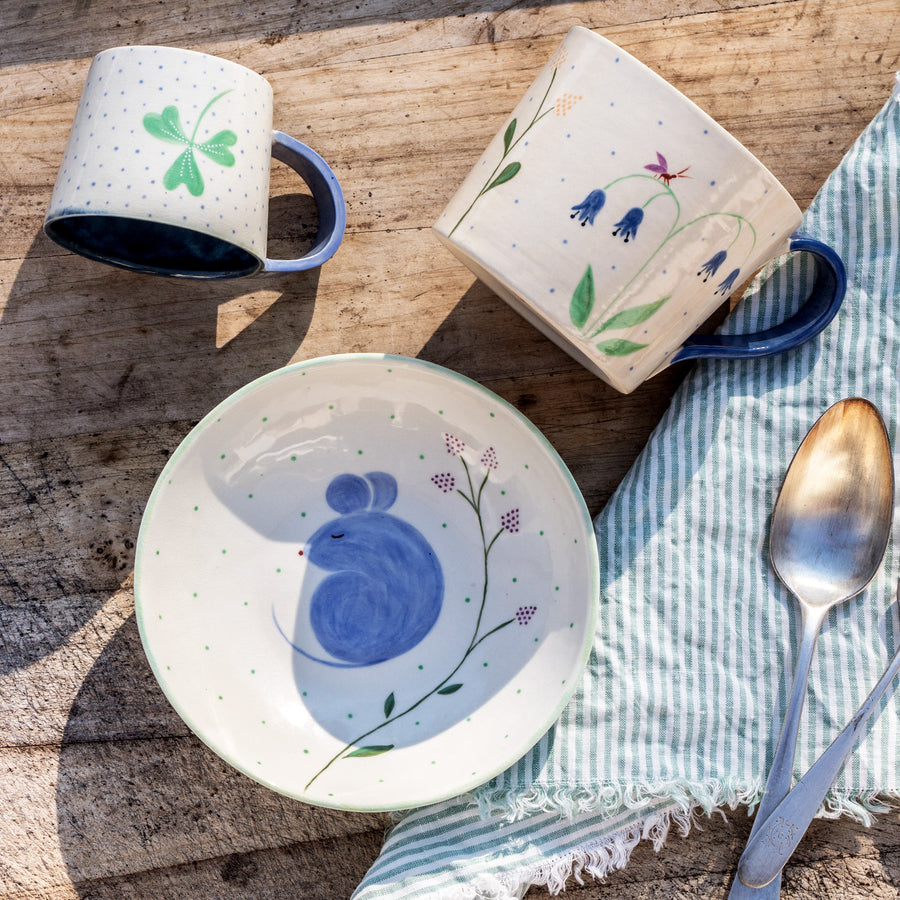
103	790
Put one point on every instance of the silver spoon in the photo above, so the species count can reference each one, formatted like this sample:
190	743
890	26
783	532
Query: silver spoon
775	841
830	528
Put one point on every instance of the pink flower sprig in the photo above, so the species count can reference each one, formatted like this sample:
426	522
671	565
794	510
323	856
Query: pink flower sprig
445	481
489	459
455	446
510	520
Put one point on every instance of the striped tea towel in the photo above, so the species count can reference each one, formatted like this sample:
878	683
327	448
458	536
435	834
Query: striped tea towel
681	705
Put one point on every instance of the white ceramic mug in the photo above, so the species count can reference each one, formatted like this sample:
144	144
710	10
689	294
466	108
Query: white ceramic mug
616	216
167	169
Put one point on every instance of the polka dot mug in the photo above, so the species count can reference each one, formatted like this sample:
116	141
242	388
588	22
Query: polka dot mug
617	216
166	170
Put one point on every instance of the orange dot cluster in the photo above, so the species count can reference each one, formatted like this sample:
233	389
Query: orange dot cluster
560	59
565	102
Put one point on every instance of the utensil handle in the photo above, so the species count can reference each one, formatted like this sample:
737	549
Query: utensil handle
779	781
771	847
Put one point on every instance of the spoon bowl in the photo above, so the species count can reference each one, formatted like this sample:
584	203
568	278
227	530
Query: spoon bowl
829	532
832	518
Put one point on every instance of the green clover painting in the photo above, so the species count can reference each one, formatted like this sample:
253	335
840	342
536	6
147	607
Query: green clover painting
167	127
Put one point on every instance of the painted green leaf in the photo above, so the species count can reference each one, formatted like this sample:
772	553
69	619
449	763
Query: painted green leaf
217	147
583	299
450	689
633	316
184	171
508	136
372	750
166	125
389	705
619	347
508	173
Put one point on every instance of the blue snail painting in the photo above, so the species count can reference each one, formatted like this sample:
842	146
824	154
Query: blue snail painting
386	586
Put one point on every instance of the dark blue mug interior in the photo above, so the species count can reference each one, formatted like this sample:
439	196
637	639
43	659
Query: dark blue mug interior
152	247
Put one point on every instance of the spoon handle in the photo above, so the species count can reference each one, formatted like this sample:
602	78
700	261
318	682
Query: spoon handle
778	782
769	849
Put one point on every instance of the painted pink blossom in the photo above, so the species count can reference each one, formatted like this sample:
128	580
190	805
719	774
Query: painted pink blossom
445	481
455	446
489	458
510	520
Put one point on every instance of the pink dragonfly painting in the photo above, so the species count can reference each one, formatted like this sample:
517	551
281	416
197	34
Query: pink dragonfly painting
661	169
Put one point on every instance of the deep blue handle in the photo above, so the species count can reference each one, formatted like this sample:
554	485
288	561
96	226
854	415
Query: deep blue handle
825	298
328	197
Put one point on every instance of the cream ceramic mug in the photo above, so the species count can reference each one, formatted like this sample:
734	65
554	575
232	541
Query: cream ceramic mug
617	216
167	165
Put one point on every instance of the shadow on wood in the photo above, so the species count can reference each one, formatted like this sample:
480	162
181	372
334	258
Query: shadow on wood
106	361
141	800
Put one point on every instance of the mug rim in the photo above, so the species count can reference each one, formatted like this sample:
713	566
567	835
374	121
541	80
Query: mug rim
185	51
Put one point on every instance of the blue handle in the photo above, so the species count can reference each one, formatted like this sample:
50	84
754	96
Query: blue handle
328	197
825	298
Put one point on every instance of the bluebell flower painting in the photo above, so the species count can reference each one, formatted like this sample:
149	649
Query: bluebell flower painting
712	265
627	226
658	182
727	286
587	210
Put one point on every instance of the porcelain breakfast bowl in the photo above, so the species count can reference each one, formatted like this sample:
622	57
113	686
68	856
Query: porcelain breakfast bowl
367	582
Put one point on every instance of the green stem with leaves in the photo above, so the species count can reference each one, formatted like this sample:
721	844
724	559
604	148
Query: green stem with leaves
496	178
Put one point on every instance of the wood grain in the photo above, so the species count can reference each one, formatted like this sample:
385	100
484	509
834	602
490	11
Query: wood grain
105	792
